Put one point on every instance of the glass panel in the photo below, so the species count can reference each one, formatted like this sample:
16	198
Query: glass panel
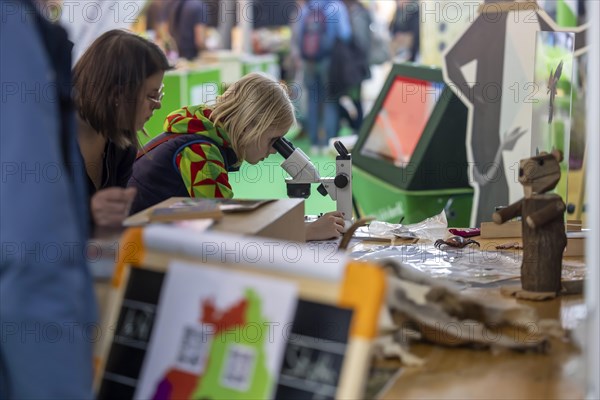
402	119
551	124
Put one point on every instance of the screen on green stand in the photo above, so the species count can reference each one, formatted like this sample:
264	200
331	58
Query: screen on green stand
397	130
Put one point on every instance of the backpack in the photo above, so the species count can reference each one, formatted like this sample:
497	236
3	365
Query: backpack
349	67
379	51
361	21
314	29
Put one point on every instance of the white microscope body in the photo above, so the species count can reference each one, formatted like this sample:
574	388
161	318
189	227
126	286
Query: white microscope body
303	173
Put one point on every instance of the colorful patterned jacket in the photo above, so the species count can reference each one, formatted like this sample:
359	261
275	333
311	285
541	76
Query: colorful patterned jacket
192	158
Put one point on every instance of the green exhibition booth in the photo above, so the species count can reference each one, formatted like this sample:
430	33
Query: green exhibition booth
410	160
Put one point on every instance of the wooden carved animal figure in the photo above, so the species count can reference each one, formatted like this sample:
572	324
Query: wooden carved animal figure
544	237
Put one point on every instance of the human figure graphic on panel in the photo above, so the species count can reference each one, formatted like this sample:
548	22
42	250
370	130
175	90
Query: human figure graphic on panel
490	68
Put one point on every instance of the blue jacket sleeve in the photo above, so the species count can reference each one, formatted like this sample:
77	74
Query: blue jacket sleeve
47	306
344	30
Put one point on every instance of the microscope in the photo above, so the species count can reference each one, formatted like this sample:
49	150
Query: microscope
303	173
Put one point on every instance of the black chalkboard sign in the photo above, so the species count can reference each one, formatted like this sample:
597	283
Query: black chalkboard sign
312	362
314	353
132	334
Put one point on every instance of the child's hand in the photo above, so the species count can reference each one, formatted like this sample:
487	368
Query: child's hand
111	206
329	226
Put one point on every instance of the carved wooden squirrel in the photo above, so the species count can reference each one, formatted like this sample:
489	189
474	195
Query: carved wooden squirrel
544	237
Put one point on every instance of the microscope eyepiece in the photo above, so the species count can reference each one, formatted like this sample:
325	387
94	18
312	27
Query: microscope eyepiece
284	147
341	149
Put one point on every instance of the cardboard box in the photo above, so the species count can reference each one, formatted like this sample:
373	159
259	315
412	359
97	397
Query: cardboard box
575	244
281	219
509	229
574	226
514	229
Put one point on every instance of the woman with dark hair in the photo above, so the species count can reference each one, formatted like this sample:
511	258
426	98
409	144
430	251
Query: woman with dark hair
118	85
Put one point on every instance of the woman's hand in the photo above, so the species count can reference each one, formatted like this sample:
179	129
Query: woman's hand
328	226
111	206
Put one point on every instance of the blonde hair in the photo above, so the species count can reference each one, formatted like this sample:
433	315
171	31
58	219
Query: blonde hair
251	107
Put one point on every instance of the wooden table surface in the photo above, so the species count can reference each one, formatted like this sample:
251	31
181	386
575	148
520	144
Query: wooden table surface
465	373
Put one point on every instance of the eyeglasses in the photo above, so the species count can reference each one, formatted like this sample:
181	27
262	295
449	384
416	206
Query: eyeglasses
158	98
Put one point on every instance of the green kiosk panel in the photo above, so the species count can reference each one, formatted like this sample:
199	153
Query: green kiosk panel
410	158
183	88
267	63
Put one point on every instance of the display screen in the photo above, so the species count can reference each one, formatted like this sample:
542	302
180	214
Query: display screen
402	119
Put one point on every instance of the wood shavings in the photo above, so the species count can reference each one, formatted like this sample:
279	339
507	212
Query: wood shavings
450	318
510	246
387	347
516	291
348	234
552	328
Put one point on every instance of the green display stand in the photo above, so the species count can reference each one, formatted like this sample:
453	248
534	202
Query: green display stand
410	157
203	84
182	88
261	63
171	101
392	204
229	62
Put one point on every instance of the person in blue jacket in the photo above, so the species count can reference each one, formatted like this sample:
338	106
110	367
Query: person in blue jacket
47	305
321	23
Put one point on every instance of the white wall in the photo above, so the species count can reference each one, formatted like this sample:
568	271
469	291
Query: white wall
85	20
592	288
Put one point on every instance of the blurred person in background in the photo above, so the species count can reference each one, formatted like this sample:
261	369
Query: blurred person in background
117	87
360	22
47	304
157	16
404	29
188	21
294	68
321	23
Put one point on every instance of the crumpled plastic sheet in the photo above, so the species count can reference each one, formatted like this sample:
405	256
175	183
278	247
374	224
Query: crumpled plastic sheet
468	265
573	270
431	228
